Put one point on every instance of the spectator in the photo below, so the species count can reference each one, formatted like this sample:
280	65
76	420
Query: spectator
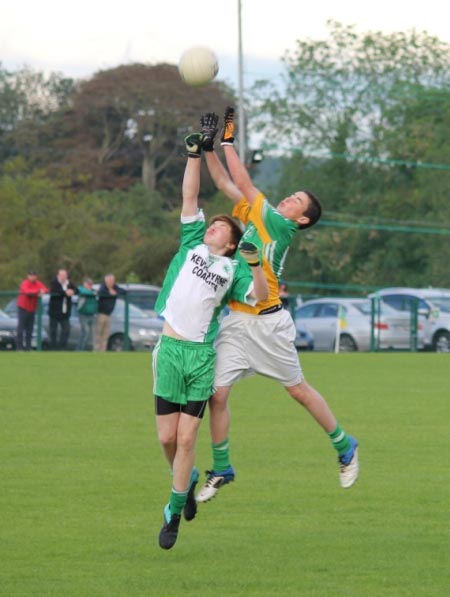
27	302
87	308
59	309
284	294
107	296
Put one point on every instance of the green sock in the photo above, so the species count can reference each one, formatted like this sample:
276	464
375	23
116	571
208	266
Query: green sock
177	501
221	456
340	440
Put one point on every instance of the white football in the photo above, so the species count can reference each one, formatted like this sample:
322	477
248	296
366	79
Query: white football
198	66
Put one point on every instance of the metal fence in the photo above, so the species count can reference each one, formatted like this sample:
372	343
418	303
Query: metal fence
41	340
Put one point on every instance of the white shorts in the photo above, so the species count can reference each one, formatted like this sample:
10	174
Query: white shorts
264	344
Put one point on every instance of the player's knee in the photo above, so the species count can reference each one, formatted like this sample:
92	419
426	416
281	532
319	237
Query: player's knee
186	441
219	399
300	392
167	437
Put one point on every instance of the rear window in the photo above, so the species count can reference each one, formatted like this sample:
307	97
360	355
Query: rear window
365	308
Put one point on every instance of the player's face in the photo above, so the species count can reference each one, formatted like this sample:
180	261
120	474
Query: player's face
294	206
218	237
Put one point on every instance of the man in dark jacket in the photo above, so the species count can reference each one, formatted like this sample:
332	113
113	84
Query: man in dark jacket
107	296
59	309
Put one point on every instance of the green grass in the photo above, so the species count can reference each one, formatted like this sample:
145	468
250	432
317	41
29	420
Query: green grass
83	483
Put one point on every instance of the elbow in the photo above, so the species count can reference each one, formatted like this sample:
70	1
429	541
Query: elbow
262	294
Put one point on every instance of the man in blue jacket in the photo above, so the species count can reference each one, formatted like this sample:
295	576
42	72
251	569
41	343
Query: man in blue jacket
107	296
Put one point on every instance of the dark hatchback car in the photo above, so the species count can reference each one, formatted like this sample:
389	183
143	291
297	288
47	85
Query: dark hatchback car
8	334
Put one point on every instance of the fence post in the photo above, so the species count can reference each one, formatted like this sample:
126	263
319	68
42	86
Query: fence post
414	324
373	302
39	325
126	344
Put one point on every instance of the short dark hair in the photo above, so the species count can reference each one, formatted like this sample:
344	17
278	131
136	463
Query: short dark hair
313	211
236	230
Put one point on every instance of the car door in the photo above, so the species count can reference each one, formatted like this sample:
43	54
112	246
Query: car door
326	325
320	321
406	303
304	316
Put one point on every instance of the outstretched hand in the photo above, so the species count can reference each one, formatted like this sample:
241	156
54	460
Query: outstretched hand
227	137
193	144
208	128
250	253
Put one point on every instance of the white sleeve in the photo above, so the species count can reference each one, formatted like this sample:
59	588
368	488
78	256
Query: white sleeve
199	217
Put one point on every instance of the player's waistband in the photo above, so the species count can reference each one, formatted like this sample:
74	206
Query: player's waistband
269	310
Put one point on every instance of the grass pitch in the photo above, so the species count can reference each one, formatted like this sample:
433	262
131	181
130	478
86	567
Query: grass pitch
83	483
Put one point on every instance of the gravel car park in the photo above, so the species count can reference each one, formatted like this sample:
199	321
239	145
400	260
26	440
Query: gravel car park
320	318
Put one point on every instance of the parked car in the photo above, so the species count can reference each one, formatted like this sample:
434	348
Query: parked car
8	329
304	339
433	306
144	330
350	320
8	334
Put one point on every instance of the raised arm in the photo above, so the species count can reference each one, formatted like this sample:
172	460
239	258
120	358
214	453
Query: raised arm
191	178
219	174
250	253
221	178
238	171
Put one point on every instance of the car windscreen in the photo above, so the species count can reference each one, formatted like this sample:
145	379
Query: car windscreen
442	302
134	312
364	307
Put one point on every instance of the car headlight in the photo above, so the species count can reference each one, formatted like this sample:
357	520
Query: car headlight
6	334
147	333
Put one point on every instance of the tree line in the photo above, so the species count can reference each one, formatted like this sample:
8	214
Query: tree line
91	170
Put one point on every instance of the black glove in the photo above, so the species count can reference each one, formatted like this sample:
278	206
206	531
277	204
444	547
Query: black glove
208	128
227	137
193	144
250	253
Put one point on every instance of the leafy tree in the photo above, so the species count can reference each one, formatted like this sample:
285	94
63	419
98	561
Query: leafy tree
127	124
46	227
361	111
28	99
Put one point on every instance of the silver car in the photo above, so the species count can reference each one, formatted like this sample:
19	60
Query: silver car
347	321
433	308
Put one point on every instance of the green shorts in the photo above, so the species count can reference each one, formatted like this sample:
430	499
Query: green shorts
182	370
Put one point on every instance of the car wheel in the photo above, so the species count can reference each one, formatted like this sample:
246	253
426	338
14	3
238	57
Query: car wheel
441	342
347	344
117	343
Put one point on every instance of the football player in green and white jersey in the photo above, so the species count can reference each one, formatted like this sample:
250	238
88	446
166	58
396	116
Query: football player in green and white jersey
260	338
202	277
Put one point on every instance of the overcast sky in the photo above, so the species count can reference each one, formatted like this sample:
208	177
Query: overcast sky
83	37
